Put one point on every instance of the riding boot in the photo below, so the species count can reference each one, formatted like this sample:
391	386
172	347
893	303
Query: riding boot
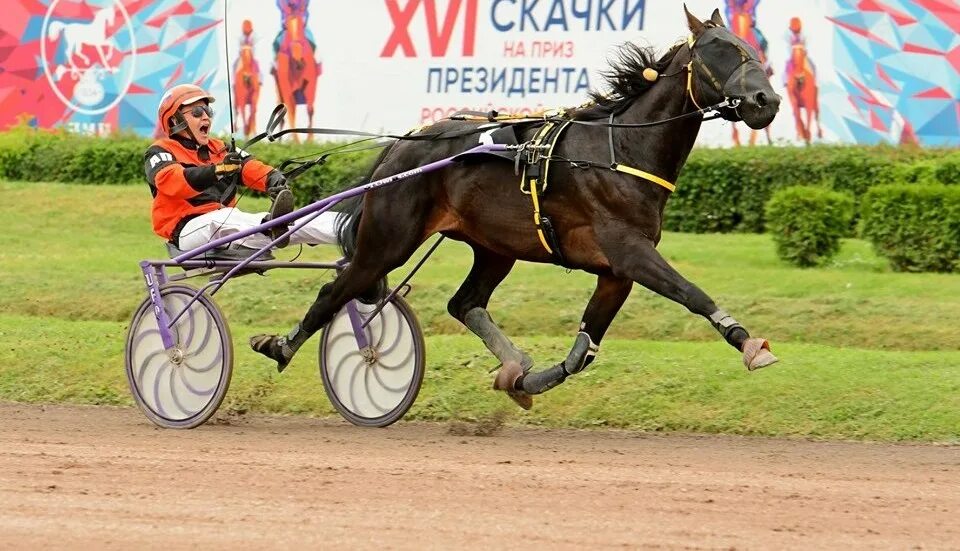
279	348
283	204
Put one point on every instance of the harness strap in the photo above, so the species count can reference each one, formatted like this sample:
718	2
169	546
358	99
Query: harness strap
537	219
645	175
534	181
614	165
690	85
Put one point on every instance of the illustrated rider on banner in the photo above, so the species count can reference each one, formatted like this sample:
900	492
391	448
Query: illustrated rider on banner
194	179
292	9
797	40
736	11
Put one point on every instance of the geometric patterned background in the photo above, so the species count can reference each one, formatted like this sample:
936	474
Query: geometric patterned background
135	48
898	62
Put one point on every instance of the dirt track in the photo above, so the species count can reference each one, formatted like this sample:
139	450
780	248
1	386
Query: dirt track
104	477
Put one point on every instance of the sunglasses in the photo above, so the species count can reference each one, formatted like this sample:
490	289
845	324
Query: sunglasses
198	110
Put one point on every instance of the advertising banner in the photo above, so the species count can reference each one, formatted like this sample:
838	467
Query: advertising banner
849	71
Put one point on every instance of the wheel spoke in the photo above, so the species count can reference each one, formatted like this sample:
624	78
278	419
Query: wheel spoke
366	387
336	369
198	392
385	385
336	338
208	331
156	391
146	363
139	338
173	393
351	386
399	334
403	361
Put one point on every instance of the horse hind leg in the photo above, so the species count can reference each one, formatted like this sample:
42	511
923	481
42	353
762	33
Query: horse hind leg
383	244
608	297
469	306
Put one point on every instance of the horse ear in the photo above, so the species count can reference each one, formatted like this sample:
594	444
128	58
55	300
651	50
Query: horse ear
716	18
696	26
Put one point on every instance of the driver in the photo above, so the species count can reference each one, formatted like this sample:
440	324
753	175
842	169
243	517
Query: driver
193	180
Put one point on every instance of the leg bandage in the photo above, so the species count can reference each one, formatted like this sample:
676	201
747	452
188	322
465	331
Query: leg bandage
581	355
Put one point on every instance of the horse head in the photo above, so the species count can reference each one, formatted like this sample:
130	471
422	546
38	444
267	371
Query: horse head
725	67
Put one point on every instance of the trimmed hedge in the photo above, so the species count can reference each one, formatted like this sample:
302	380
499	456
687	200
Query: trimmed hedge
916	227
63	157
725	190
806	223
719	190
39	156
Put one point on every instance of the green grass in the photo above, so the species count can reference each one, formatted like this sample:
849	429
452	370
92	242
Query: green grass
71	252
817	391
866	353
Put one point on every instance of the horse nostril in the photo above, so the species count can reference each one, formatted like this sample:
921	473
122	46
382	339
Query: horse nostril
761	99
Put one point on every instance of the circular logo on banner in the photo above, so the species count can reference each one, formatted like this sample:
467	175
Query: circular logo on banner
88	52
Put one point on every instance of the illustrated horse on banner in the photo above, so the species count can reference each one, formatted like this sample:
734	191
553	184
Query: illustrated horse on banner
296	68
78	35
800	79
246	83
742	15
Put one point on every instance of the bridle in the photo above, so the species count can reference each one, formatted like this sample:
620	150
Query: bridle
705	75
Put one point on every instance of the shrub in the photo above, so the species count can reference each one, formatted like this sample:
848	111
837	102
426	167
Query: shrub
723	190
32	155
916	227
806	223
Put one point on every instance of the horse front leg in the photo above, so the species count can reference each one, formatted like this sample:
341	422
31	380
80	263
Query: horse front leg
642	263
608	297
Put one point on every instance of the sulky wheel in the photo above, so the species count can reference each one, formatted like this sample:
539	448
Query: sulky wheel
181	388
375	387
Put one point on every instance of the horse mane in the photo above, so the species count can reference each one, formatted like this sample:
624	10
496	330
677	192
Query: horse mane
625	78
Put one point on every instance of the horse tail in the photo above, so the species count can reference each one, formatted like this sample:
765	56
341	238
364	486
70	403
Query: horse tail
348	221
54	29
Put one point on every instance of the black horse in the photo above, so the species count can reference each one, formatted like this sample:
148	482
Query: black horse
606	222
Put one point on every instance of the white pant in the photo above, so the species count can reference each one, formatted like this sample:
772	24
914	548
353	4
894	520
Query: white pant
228	221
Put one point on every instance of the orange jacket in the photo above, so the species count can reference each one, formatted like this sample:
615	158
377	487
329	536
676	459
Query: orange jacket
184	184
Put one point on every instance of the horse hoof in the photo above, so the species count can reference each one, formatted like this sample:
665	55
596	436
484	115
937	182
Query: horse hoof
506	378
756	354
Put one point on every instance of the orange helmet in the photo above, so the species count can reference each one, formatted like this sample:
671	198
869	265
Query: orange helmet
795	24
169	112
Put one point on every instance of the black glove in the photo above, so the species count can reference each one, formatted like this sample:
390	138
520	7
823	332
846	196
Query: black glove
276	182
230	165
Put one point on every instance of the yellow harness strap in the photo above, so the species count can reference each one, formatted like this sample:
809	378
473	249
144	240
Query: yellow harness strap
645	175
533	186
536	216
